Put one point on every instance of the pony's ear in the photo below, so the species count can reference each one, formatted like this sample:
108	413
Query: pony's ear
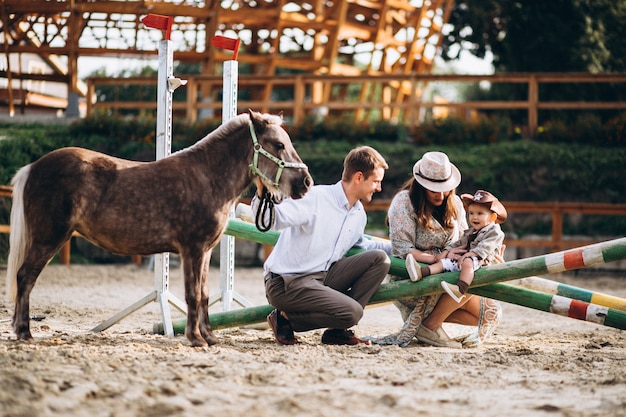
257	120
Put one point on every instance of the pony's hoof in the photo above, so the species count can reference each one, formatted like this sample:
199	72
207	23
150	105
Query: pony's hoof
201	343
22	331
196	339
24	336
211	339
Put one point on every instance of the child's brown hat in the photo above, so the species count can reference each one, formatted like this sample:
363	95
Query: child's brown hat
488	200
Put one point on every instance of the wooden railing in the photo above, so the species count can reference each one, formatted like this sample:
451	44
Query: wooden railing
397	98
555	243
557	210
64	252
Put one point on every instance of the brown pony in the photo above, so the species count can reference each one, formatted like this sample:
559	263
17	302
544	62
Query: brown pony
177	204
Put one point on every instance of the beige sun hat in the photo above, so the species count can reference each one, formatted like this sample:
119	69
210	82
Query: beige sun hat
435	172
488	200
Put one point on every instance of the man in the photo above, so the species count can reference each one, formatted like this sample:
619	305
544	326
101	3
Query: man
307	278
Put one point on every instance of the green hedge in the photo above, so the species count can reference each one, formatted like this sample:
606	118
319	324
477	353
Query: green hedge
554	167
588	129
513	168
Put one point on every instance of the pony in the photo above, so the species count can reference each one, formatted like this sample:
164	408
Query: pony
178	204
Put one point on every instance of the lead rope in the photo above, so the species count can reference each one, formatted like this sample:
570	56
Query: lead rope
265	205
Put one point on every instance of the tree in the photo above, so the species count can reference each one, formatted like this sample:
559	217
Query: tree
539	35
543	36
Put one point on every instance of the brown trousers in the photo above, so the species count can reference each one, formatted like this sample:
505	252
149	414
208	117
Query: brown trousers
333	298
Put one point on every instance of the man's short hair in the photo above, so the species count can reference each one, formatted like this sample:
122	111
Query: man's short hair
363	159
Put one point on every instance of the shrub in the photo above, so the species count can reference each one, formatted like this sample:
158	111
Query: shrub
553	132
587	129
519	170
614	131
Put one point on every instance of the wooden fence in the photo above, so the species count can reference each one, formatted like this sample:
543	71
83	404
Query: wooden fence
555	243
64	252
395	98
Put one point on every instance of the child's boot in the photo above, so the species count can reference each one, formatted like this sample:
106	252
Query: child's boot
453	291
413	268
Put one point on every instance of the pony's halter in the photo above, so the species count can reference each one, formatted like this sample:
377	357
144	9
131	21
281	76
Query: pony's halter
258	149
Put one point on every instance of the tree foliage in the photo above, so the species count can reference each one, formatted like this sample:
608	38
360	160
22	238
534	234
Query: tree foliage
539	35
543	36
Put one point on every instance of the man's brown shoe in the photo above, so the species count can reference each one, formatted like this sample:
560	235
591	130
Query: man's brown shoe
281	328
342	337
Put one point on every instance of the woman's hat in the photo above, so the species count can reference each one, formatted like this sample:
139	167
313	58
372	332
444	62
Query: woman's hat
435	172
485	198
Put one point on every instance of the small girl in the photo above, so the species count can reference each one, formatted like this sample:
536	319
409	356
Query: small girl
482	241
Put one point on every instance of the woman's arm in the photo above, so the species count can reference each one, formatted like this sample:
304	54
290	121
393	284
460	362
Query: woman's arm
402	230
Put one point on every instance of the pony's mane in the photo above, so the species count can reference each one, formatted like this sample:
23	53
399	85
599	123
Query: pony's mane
225	130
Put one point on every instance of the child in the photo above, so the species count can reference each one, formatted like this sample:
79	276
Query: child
482	241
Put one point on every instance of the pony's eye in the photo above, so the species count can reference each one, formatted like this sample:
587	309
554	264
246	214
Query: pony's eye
280	146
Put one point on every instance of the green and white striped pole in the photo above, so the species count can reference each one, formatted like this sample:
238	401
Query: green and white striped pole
555	304
576	258
569	291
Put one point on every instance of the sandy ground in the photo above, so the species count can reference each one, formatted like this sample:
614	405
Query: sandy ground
536	364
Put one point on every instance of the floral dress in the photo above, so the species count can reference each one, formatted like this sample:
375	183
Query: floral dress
405	235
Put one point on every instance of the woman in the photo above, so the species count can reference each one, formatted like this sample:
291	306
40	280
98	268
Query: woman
424	217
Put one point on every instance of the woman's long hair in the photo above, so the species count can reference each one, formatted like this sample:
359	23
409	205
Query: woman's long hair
425	212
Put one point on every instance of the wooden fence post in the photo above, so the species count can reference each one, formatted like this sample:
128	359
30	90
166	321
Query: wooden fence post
557	228
533	99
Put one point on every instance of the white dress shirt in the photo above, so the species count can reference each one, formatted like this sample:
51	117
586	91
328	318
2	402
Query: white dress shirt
316	231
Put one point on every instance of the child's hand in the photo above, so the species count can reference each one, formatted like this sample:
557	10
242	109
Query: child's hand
469	254
455	253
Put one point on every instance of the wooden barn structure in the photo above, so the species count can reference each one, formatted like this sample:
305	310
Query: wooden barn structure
334	37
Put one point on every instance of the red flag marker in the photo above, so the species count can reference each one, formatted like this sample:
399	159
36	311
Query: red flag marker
227	43
157	21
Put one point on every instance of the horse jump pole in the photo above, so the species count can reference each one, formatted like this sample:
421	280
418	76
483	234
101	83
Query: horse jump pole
584	256
569	291
512	294
167	83
555	304
227	243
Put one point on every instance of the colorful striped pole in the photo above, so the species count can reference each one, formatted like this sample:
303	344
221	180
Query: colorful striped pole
555	304
569	291
576	258
585	256
508	293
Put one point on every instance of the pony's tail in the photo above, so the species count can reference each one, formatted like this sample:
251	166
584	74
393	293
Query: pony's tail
18	239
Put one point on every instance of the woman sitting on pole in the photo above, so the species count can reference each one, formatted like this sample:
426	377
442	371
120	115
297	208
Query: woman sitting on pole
424	217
